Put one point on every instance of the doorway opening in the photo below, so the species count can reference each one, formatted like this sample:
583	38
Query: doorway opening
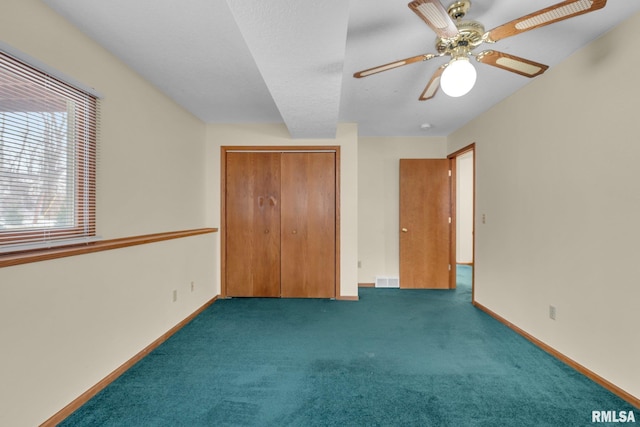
462	240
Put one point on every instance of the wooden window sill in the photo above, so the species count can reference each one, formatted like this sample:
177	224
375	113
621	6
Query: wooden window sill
104	245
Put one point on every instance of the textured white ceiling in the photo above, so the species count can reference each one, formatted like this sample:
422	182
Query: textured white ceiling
292	61
299	48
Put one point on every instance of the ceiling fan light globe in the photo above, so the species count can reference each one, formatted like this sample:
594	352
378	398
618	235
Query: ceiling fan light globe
458	78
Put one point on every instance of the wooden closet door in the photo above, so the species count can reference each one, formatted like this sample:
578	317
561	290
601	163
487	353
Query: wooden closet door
308	224
252	224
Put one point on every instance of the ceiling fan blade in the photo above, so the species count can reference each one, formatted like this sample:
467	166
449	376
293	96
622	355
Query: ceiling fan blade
558	12
392	65
432	87
434	14
512	63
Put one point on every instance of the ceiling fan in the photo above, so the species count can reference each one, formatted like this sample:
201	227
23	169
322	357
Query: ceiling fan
458	39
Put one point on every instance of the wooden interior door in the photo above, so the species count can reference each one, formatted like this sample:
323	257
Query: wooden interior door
425	203
308	225
252	224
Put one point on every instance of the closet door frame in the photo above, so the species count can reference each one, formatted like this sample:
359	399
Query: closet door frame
223	211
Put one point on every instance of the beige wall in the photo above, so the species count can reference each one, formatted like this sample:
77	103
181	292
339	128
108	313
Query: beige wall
557	177
379	196
68	323
277	135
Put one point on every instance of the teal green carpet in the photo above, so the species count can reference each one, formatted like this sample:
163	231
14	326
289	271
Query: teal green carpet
395	358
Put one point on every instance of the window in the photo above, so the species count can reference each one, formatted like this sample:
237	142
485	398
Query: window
47	159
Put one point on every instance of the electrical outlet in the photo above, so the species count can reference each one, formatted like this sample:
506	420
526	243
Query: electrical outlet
484	218
193	286
175	295
552	312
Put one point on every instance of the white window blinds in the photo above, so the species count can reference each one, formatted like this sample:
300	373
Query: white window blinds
48	132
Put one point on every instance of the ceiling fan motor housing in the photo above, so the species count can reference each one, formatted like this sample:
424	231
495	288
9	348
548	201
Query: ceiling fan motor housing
468	38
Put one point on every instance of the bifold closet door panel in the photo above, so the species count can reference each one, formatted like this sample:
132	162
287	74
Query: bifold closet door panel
252	224
308	215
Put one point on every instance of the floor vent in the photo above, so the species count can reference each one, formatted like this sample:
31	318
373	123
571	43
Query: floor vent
387	282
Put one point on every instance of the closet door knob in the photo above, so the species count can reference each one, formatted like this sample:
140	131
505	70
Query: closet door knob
404	230
294	232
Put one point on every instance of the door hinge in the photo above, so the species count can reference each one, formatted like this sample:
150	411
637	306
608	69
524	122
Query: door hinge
449	220
449	267
449	172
